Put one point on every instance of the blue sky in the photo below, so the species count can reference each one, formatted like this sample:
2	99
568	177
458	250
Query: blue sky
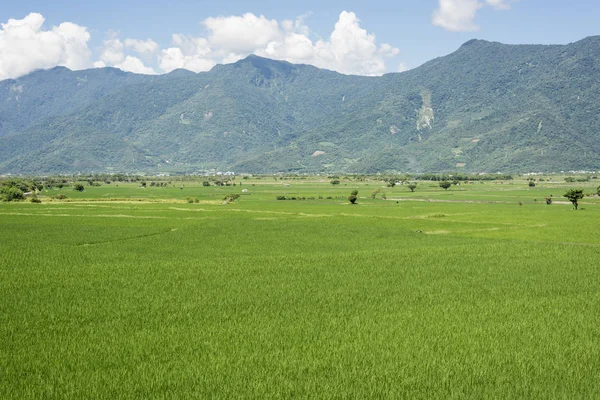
370	38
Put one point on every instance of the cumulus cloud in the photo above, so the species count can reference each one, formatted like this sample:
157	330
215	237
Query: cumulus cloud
143	47
25	46
350	49
113	54
459	15
189	53
242	34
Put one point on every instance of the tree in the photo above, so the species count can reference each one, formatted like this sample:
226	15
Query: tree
335	182
230	198
353	197
206	183
11	193
445	185
78	187
574	195
531	184
412	187
598	191
391	181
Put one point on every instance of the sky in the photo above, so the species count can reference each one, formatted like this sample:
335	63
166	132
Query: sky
352	37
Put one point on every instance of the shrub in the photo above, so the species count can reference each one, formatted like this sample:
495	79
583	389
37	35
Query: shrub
412	187
335	182
60	196
11	193
35	199
445	185
230	198
280	197
78	187
206	183
548	200
531	184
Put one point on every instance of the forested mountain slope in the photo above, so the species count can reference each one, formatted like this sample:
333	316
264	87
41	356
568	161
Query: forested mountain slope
486	107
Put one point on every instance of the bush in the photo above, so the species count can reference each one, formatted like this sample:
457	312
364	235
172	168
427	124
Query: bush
531	184
548	200
35	199
412	187
353	197
60	196
280	198
78	187
11	193
230	198
445	185
206	183
335	182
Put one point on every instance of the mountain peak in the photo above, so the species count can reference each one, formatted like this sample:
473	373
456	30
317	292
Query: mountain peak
476	42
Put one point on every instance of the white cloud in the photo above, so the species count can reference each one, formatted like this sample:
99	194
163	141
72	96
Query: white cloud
241	34
134	64
112	51
459	15
189	53
402	67
113	54
350	49
142	47
25	46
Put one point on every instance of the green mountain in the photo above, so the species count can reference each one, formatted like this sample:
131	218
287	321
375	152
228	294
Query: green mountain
486	107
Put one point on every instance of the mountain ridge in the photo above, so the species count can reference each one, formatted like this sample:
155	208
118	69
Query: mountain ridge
485	107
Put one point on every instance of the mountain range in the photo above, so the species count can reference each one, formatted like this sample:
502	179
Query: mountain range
487	107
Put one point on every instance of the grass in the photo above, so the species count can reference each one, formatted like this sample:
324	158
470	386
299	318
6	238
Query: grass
477	298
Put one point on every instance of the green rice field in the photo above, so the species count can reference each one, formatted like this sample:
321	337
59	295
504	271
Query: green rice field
130	292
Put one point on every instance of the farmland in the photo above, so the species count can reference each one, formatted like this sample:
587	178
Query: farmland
479	291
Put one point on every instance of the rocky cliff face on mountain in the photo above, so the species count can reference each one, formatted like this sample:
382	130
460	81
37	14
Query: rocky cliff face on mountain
486	107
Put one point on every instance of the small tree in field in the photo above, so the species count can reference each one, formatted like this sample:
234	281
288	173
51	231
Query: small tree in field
353	197
412	187
78	187
574	195
445	185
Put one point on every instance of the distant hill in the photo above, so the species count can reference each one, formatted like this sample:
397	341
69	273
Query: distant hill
486	107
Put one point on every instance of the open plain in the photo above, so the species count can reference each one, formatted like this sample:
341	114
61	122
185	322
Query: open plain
129	292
